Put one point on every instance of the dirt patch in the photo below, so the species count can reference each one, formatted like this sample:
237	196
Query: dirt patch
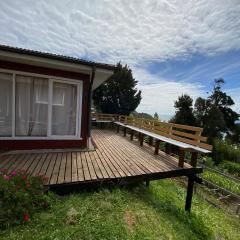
71	218
129	220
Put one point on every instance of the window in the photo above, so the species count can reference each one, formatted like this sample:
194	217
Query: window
40	107
64	109
6	88
31	115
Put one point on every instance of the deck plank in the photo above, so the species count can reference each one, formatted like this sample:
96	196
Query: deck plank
74	168
80	167
56	168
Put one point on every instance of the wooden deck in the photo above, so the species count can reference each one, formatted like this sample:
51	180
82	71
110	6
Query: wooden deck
114	159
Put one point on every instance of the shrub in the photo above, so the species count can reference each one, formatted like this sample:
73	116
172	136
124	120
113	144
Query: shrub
20	196
223	150
231	167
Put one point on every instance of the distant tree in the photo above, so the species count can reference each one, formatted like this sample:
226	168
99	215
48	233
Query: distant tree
184	111
215	115
118	95
155	116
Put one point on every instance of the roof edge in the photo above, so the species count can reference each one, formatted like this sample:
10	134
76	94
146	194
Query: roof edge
56	57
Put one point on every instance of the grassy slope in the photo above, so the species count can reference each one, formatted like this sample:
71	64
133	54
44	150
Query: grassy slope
129	214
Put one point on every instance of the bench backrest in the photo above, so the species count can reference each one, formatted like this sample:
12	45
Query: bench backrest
183	133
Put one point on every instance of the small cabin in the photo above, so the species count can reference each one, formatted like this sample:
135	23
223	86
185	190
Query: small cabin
45	99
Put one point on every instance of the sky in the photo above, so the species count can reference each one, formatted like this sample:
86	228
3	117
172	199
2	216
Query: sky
173	47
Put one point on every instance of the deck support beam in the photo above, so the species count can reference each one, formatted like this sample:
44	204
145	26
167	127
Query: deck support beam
194	157
157	142
189	193
181	157
147	183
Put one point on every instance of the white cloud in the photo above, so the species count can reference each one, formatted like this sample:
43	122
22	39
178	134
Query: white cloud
160	95
131	31
136	32
235	94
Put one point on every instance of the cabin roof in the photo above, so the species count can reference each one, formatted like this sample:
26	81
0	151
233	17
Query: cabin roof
58	57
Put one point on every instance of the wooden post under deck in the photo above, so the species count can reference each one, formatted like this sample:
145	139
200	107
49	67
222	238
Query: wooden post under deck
189	193
181	157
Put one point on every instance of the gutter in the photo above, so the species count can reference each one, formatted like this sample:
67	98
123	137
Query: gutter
90	100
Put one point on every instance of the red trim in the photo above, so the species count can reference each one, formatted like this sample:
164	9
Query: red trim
38	144
41	144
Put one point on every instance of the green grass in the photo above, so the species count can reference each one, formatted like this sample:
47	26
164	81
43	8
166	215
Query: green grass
136	213
222	181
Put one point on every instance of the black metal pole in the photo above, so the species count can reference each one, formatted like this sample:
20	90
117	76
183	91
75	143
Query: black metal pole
189	193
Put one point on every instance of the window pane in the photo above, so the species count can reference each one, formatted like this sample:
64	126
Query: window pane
31	106
64	109
6	86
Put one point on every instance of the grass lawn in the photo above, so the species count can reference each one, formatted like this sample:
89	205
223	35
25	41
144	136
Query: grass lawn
136	213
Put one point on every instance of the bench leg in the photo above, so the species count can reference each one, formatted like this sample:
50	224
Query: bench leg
124	131
194	157
131	136
181	158
141	139
157	142
118	127
189	193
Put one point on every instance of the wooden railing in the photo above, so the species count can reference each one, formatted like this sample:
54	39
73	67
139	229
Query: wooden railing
183	133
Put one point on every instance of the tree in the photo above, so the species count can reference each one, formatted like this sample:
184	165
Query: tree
118	95
155	116
224	102
184	111
215	115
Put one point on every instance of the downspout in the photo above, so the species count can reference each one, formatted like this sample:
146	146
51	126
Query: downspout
90	100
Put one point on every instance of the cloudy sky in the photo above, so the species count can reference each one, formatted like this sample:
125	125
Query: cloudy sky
173	46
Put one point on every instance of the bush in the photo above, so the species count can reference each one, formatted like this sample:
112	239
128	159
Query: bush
223	150
20	196
231	167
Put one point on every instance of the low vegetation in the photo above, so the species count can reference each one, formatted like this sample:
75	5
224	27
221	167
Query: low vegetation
222	181
136	213
20	197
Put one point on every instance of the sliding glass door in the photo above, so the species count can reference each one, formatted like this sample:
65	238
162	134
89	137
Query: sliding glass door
32	106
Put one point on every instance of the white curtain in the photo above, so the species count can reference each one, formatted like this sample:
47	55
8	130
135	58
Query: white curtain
64	109
31	106
6	86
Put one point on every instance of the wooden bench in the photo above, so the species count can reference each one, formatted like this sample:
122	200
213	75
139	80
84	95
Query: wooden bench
186	138
182	146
